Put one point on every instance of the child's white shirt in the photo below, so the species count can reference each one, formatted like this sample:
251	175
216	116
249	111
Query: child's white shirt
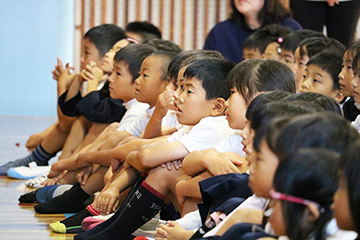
356	123
204	135
137	127
232	144
133	109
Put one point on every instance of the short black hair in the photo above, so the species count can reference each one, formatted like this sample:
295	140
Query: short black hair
262	37
292	40
325	102
145	29
104	37
212	73
324	129
164	45
314	45
165	58
330	62
186	57
133	55
257	75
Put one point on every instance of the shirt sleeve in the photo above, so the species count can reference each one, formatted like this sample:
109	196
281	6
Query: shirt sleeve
101	110
68	108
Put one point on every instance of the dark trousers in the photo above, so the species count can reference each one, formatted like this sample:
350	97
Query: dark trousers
340	20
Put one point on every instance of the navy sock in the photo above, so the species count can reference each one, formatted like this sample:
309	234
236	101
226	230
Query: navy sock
102	226
71	201
144	204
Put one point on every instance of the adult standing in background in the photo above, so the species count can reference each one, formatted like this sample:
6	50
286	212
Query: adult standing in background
247	16
339	16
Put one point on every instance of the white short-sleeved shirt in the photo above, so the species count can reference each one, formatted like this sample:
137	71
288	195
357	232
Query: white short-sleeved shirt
204	135
232	144
133	110
356	123
137	127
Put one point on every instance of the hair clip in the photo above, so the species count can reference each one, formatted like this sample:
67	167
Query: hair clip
132	40
280	40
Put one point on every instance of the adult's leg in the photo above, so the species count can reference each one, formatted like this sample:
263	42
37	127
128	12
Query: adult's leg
310	15
341	21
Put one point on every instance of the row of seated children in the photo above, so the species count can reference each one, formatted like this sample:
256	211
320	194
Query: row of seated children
137	160
299	133
96	107
97	41
295	48
109	229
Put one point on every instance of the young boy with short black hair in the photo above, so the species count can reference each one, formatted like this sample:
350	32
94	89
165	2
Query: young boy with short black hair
321	75
200	105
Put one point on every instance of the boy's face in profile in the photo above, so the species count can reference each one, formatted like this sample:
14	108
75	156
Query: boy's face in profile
288	58
346	75
262	170
120	82
299	66
317	80
108	59
251	54
149	84
91	53
192	105
236	110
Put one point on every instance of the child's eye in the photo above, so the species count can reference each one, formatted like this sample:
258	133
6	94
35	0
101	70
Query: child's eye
349	67
189	92
304	76
145	75
232	92
118	73
316	81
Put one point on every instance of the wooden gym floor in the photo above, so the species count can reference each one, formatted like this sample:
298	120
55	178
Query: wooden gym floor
21	222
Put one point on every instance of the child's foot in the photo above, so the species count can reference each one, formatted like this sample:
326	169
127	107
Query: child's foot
30	172
39	156
71	201
73	224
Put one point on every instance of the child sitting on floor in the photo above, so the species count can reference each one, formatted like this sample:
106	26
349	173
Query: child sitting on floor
321	75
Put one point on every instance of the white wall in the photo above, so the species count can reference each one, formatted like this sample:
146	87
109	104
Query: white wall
33	33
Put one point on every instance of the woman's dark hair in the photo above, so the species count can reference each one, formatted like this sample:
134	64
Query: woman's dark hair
350	166
316	130
273	11
256	75
133	55
325	102
309	174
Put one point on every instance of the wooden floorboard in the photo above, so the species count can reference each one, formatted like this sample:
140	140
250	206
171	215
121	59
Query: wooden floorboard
21	221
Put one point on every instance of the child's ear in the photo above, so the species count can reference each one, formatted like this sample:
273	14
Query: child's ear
311	213
219	107
339	96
